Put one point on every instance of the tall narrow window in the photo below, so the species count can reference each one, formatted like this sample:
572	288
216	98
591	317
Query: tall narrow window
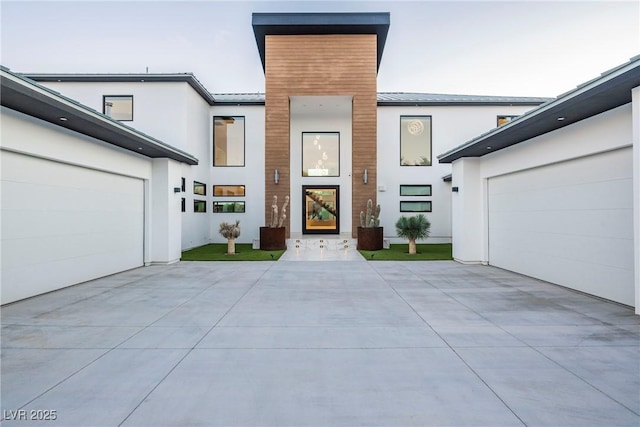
320	154
118	107
415	141
228	141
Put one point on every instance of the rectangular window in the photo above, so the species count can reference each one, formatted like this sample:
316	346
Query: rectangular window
184	185
415	190
505	119
415	140
184	205
228	207
199	188
228	141
228	191
320	154
415	206
199	206
118	107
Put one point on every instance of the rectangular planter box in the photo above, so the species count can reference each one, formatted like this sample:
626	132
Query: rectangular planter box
273	239
370	239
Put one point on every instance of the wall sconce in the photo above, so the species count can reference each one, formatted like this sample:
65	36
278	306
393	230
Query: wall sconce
276	177
176	189
454	189
365	177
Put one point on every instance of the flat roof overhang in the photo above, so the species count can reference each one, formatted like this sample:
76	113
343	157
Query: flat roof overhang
611	90
288	24
28	97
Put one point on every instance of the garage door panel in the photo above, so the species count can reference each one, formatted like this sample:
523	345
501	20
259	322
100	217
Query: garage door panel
596	223
571	232
64	224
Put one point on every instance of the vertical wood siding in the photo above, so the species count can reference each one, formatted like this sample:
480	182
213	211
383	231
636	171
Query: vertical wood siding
307	65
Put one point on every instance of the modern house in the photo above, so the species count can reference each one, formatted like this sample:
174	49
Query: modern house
106	172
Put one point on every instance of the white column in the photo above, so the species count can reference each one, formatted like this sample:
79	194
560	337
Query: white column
467	212
165	217
635	111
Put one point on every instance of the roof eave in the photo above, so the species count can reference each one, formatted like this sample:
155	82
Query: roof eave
611	90
21	94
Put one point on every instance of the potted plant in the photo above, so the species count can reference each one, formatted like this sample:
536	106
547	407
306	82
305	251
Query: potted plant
274	236
413	228
230	232
370	234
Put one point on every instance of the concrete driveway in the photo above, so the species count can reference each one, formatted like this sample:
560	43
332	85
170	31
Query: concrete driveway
332	343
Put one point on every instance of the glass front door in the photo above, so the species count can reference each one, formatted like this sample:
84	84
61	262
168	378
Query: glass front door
320	210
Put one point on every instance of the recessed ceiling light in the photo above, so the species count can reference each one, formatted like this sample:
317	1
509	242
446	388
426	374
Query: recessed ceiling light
140	148
63	119
489	147
560	119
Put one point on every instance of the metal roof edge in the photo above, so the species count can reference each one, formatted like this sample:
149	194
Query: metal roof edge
189	78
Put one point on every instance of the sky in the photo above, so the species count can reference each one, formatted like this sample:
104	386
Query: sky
510	48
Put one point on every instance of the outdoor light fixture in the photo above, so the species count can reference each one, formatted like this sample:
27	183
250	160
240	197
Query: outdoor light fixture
176	189
365	177
276	177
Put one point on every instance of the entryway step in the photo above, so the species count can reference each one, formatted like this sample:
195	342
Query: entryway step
321	249
322	243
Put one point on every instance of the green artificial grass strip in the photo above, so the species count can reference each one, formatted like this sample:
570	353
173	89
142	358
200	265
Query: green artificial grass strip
400	252
218	252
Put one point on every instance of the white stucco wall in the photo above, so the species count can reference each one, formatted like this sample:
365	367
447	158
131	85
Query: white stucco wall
160	109
252	175
451	126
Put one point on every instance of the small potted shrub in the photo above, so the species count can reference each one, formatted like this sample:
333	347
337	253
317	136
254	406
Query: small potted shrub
413	228
274	236
370	234
230	232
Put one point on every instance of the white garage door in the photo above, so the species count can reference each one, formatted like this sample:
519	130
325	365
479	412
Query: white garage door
64	224
569	223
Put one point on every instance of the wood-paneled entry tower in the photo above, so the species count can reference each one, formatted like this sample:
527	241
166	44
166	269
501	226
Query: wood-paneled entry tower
321	54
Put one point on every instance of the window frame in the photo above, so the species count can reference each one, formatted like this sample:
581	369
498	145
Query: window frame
430	209
302	171
199	185
244	142
198	202
420	117
234	202
416	186
508	117
104	106
213	190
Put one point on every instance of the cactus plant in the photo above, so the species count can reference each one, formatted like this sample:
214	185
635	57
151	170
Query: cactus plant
274	221
370	219
230	232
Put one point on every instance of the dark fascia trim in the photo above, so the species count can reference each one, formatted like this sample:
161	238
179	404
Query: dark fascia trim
611	90
28	97
320	23
126	78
